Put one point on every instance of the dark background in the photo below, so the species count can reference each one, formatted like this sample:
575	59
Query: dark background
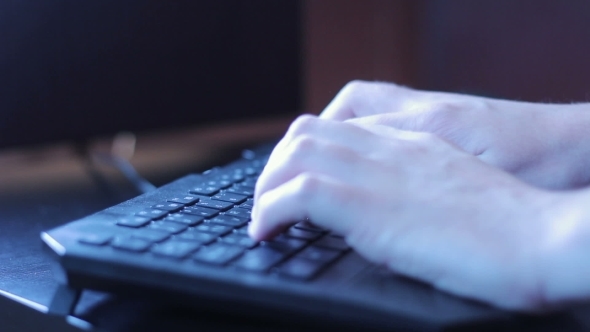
533	50
75	69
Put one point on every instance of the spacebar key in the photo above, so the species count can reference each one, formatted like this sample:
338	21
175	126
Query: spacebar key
260	259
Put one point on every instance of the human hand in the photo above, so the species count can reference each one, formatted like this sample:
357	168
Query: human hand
414	203
542	144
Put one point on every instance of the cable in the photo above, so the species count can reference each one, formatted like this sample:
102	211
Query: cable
122	149
125	167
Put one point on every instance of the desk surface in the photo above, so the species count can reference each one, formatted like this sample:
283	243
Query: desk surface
46	187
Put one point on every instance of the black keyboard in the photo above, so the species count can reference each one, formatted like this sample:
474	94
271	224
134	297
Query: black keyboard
206	222
186	242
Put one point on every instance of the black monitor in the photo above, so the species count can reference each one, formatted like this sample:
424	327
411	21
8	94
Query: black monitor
71	69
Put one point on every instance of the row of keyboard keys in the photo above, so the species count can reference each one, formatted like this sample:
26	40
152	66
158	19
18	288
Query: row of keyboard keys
218	253
133	221
230	197
239	240
218	205
260	259
216	229
188	219
220	245
198	236
176	248
168	206
228	220
209	225
168	226
186	199
236	183
200	211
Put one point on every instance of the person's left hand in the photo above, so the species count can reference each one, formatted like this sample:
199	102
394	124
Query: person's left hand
541	144
412	202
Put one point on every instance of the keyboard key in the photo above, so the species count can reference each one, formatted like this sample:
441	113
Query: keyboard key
319	254
221	184
184	199
236	176
96	239
246	205
308	227
152	235
218	254
228	220
242	230
239	240
284	244
225	177
197	236
230	197
200	211
248	183
260	259
175	248
133	221
332	242
300	268
217	205
240	213
130	244
152	213
214	229
242	190
302	234
188	219
204	190
168	226
250	171
170	206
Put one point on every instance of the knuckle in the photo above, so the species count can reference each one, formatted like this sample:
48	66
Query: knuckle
309	184
353	88
427	138
447	108
304	144
452	109
303	124
439	115
355	85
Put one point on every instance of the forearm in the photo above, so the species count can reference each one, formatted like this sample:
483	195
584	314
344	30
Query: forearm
552	141
572	141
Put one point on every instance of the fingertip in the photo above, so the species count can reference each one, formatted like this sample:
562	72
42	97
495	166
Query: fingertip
253	231
258	228
258	232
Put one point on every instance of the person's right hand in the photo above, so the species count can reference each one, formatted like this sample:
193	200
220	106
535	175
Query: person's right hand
547	145
423	208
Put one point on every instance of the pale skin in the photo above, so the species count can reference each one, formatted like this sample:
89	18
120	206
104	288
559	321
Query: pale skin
479	197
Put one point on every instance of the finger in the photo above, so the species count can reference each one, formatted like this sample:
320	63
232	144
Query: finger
308	195
392	134
359	99
352	137
406	120
310	154
345	134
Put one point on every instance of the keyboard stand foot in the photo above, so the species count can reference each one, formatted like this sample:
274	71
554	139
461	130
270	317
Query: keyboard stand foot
64	301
